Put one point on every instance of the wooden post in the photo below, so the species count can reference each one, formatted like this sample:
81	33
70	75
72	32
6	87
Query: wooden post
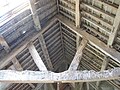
35	15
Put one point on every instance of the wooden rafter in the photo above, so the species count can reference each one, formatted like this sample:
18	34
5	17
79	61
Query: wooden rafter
45	51
23	45
77	13
92	40
37	59
115	27
78	56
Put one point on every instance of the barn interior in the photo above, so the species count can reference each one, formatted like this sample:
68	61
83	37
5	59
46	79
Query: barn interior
53	32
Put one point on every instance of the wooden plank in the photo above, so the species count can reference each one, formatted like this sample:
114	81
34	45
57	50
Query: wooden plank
63	77
45	51
115	28
37	59
34	14
78	56
92	40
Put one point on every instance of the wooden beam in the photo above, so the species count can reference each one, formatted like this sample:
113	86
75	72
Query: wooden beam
37	59
23	45
63	77
18	67
16	64
92	40
77	13
38	86
103	67
35	15
45	51
77	41
87	86
78	56
58	86
4	43
115	28
58	6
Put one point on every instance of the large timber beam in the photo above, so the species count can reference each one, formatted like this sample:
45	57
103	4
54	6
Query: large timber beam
78	56
115	28
37	59
35	15
92	40
63	77
45	51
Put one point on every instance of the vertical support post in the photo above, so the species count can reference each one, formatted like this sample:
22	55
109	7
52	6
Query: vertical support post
115	28
77	13
35	15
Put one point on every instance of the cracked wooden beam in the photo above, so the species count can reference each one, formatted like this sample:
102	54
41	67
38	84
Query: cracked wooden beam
37	59
115	28
76	60
63	77
35	15
45	52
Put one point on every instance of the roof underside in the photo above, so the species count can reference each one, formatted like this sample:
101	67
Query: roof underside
64	23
